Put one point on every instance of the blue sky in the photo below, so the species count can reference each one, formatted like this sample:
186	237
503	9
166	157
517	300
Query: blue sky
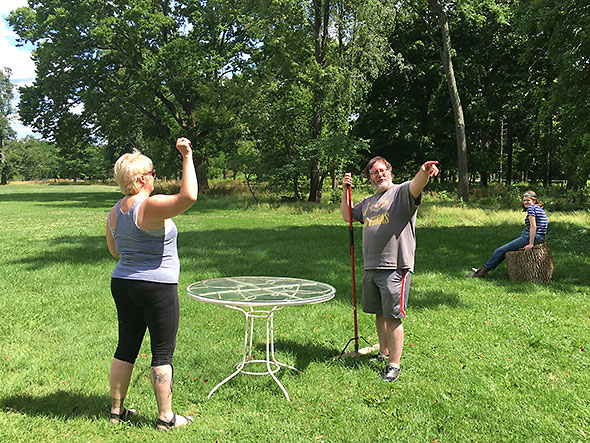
15	58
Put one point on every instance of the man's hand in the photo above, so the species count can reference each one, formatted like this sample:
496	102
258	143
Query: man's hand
430	168
528	247
421	178
347	180
344	203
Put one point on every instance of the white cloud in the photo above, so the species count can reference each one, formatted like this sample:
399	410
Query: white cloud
8	5
22	130
18	59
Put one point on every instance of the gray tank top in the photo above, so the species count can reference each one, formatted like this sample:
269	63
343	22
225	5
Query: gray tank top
145	255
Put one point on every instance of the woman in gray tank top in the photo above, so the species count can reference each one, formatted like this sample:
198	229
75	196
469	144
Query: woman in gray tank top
140	233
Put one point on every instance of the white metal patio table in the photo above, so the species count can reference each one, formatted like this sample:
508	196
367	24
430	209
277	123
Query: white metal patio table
259	297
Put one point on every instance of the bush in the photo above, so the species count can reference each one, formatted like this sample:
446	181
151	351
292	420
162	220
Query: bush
554	197
228	188
167	187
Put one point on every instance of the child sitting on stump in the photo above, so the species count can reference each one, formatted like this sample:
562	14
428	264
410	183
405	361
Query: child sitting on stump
534	233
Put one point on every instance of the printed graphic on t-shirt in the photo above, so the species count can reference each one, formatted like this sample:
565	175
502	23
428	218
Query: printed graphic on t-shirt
380	218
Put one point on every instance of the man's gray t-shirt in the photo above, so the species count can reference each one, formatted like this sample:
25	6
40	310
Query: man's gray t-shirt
389	228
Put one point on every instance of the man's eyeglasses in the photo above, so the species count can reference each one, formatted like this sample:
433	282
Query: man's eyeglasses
377	172
152	173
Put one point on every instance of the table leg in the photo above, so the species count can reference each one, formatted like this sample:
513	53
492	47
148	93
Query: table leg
272	364
272	342
245	348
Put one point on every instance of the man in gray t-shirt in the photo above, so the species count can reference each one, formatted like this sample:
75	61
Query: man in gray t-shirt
389	242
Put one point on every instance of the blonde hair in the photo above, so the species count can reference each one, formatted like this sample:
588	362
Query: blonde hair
128	168
533	195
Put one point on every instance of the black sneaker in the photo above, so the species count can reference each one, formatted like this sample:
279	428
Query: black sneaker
391	373
379	358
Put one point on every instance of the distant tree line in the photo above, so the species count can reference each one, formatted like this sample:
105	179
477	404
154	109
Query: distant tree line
33	159
294	92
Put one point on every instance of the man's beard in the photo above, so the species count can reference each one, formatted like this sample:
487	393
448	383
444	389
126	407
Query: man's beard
382	186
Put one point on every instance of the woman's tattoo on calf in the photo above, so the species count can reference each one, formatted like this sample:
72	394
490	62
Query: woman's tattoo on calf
158	378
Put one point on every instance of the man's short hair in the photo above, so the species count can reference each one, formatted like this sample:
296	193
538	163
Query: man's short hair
374	160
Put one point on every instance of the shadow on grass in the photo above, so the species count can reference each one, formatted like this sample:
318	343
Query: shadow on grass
304	353
63	405
316	252
433	299
60	404
71	198
322	253
66	249
358	362
453	251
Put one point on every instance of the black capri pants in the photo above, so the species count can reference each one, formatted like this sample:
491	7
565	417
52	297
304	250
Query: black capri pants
140	305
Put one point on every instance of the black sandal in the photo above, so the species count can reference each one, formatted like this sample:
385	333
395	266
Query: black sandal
123	415
172	423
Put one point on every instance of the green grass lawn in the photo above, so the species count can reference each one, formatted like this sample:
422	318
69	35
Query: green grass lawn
485	360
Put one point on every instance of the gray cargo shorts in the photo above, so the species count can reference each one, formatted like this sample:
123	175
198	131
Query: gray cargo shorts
385	291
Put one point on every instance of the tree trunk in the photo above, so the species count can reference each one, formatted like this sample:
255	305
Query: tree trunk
509	130
445	54
315	182
572	182
201	168
249	183
321	21
548	144
315	185
333	180
296	187
502	134
485	149
534	265
3	178
198	159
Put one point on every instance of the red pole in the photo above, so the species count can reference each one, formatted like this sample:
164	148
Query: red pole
356	335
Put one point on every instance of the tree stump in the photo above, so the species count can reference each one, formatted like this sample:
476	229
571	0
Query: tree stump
534	265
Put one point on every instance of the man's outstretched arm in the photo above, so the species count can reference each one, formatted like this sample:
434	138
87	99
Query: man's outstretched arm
421	178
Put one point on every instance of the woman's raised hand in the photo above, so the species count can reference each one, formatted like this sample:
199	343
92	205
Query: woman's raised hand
184	146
